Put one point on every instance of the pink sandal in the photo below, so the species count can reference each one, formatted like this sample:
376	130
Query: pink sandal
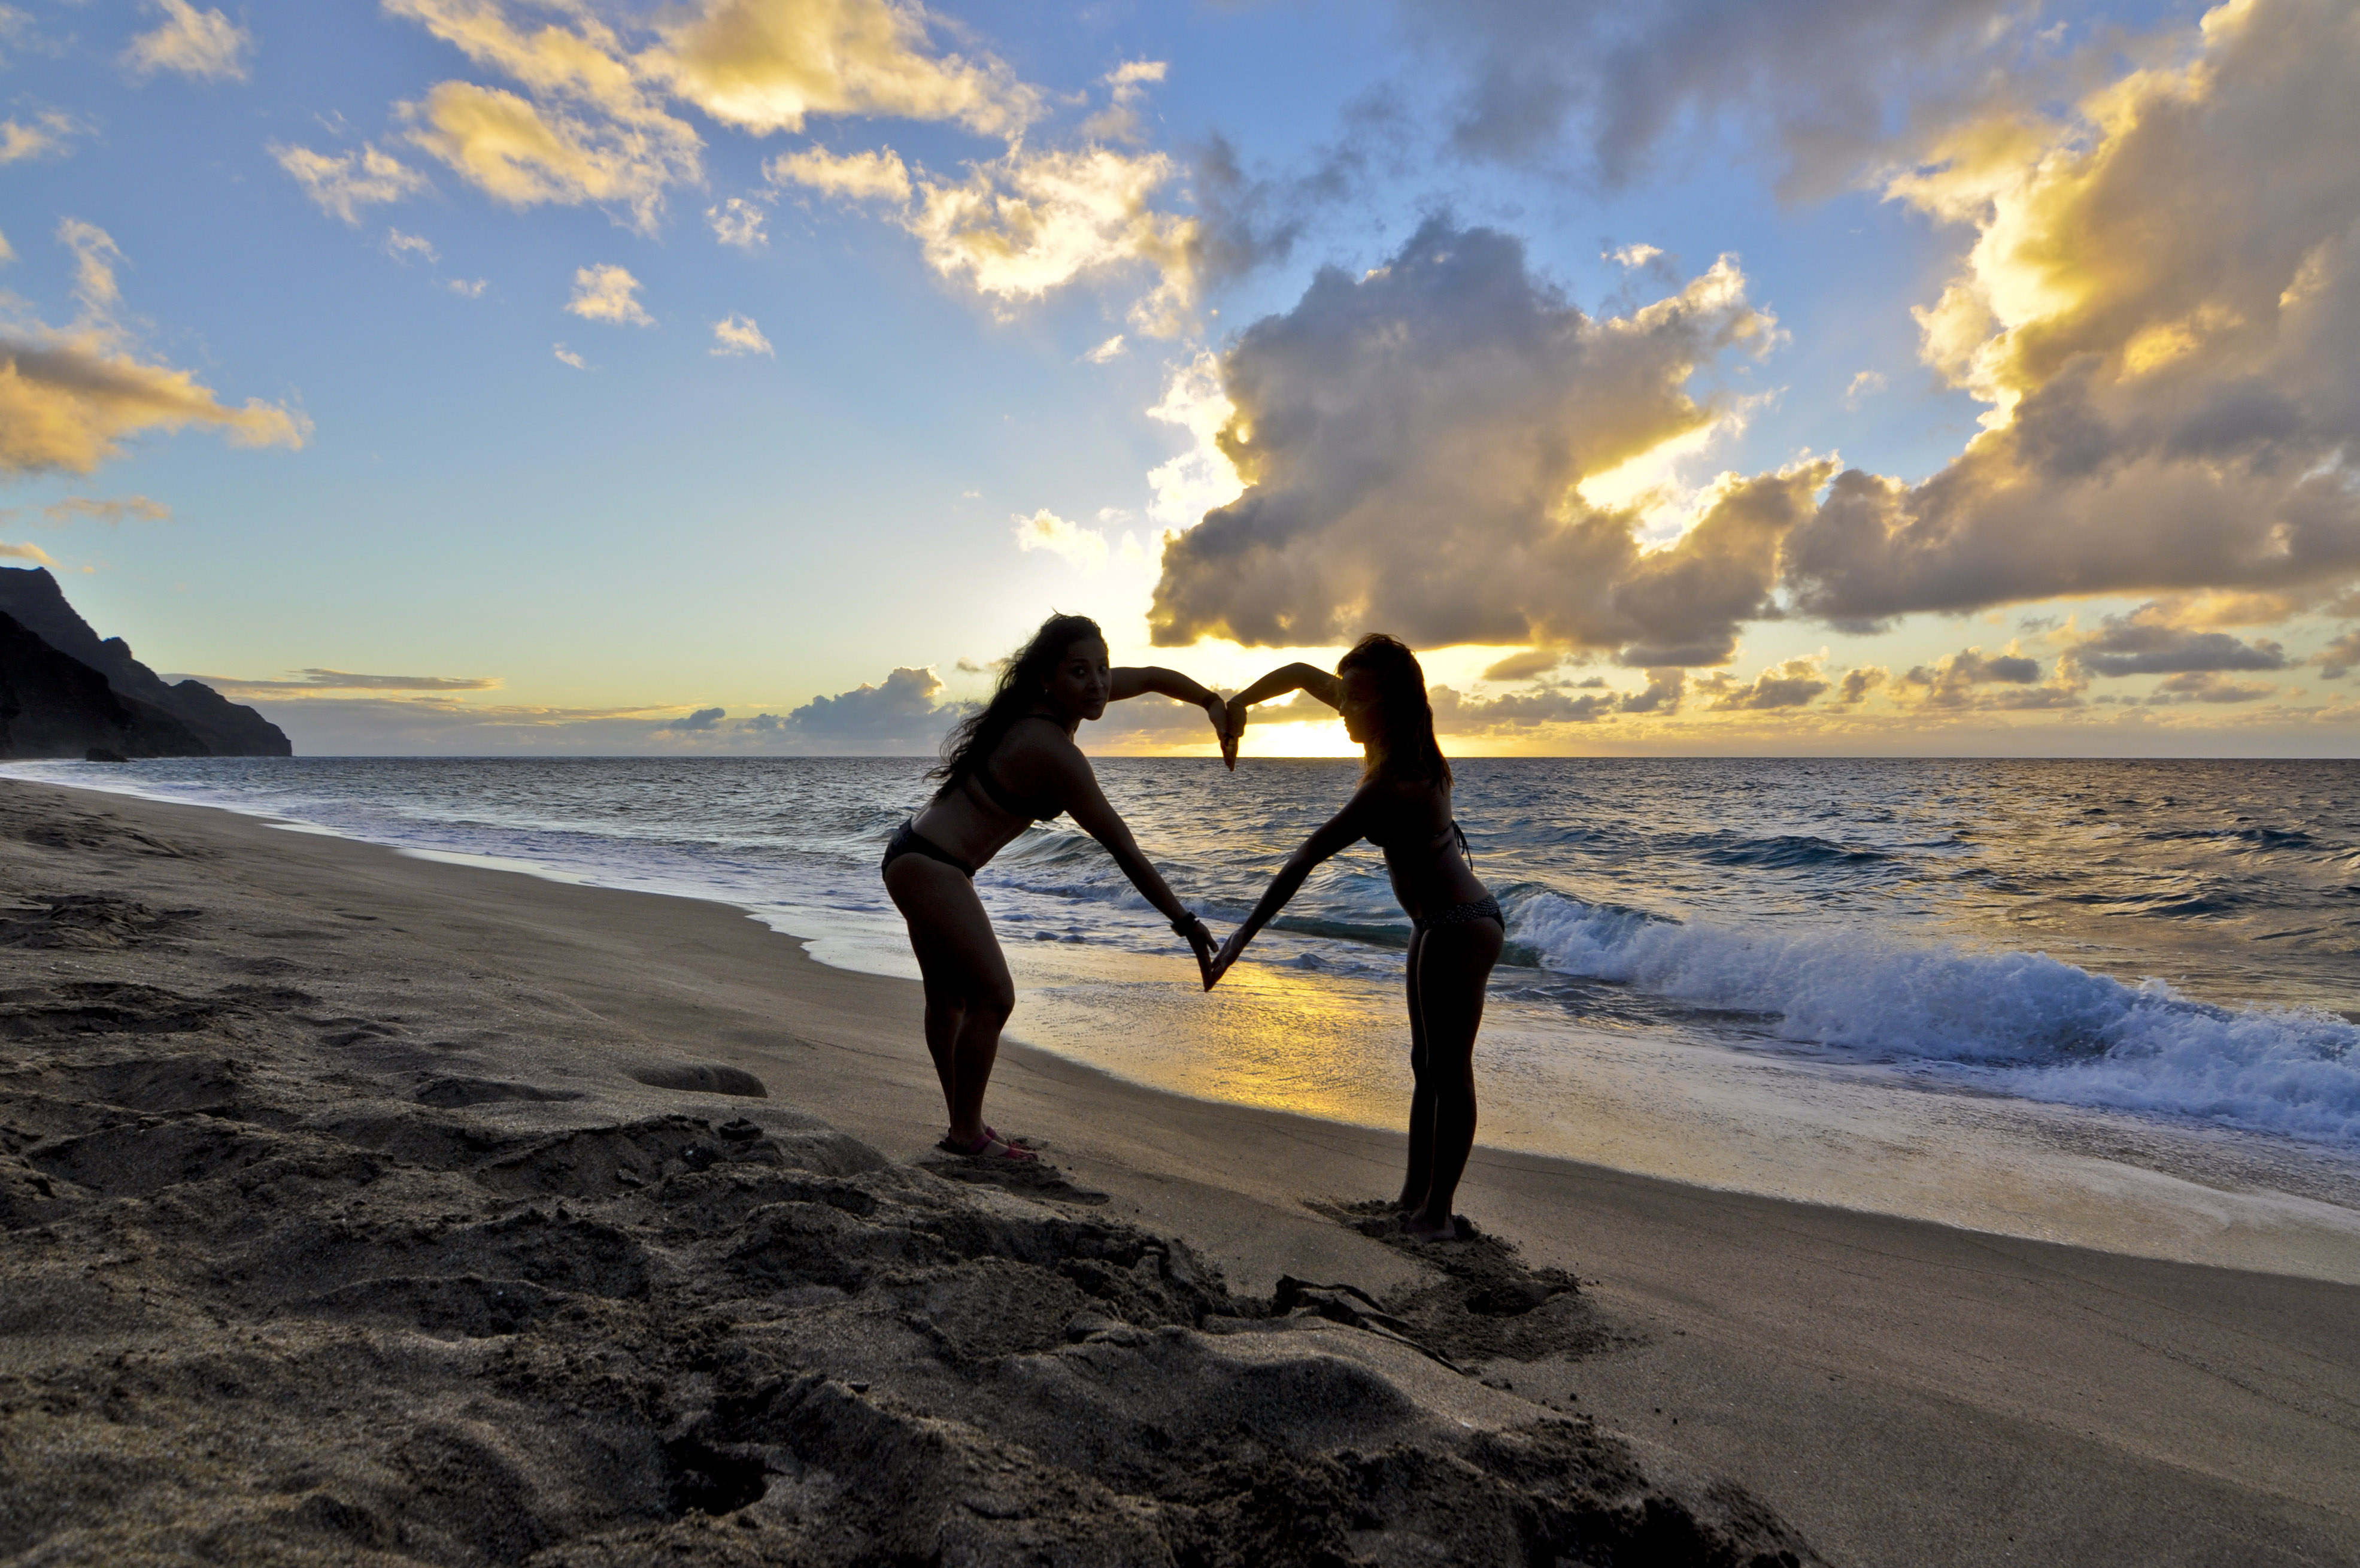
984	1143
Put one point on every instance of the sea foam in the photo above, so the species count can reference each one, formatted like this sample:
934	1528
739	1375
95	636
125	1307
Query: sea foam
2021	1023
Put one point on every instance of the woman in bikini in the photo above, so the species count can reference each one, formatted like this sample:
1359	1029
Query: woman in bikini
1004	769
1402	807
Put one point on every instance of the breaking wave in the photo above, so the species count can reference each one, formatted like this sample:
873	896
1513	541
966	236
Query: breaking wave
2022	1023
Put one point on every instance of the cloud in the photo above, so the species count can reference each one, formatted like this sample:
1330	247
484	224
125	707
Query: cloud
70	396
343	185
402	247
2146	642
2339	658
567	357
2160	335
1411	442
203	44
1664	692
594	123
901	715
1032	220
1794	684
2206	685
737	221
328	724
1202	478
1044	529
1867	384
110	511
868	175
606	293
1524	666
1967	679
1246	221
1857	684
703	718
467	287
1457	715
764	66
338	683
736	334
95	258
45	135
1607	87
27	552
1105	353
587	129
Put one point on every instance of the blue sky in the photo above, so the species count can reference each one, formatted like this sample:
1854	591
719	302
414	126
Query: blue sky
415	430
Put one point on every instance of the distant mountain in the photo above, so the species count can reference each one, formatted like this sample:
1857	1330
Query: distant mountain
63	691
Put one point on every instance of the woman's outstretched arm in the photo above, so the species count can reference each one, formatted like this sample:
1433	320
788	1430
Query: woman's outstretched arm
1131	680
1285	678
1340	832
1081	795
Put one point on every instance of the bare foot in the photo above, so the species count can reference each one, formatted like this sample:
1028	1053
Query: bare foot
1421	1229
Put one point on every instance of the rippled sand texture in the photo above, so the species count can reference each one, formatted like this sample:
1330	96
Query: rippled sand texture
323	1247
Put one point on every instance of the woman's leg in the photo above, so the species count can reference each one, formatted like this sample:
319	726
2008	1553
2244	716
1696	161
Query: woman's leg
1421	1097
969	993
1454	965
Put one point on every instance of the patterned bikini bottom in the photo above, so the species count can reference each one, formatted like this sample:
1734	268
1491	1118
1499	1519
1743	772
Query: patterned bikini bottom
1461	913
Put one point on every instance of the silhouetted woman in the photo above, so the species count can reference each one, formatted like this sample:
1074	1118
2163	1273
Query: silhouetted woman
1402	807
1011	765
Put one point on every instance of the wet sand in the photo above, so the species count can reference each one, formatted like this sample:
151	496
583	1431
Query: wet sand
362	1207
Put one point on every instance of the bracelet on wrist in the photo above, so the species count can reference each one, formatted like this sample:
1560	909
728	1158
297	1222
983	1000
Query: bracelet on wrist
1185	926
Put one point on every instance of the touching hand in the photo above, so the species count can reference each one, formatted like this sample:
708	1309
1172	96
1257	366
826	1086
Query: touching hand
1225	958
1219	712
1233	725
1200	941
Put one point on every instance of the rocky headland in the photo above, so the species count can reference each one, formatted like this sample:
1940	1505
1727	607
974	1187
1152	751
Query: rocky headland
66	693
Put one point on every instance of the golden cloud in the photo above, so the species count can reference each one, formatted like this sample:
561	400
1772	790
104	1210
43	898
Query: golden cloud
27	552
45	135
346	183
2158	308
590	131
872	175
318	682
607	293
68	401
70	396
736	335
1030	222
767	65
203	44
592	124
1412	445
109	509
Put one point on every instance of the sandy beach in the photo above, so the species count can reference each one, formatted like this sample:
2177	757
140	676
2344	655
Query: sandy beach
363	1208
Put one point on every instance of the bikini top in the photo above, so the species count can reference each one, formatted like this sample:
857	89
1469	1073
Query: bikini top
1008	800
1440	841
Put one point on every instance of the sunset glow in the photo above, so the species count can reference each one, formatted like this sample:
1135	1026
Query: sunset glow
749	375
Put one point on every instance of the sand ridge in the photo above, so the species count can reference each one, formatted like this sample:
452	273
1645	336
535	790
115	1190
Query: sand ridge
322	1248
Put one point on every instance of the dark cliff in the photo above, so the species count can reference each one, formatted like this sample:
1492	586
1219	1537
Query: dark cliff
115	701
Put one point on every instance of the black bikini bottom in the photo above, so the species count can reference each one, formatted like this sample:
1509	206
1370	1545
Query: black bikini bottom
1461	913
908	840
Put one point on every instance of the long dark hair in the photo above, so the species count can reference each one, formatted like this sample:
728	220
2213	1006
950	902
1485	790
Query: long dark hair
1410	750
1021	675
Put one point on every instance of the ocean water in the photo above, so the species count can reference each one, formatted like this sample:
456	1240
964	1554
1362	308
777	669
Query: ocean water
2115	1002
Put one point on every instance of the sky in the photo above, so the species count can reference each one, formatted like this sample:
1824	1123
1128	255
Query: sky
1784	377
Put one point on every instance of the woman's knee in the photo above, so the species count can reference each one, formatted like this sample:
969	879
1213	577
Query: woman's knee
992	999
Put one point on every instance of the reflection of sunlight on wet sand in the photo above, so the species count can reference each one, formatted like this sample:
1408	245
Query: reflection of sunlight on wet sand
1335	1045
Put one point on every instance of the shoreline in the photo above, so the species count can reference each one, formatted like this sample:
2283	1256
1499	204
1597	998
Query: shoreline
1867	1138
1899	1392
